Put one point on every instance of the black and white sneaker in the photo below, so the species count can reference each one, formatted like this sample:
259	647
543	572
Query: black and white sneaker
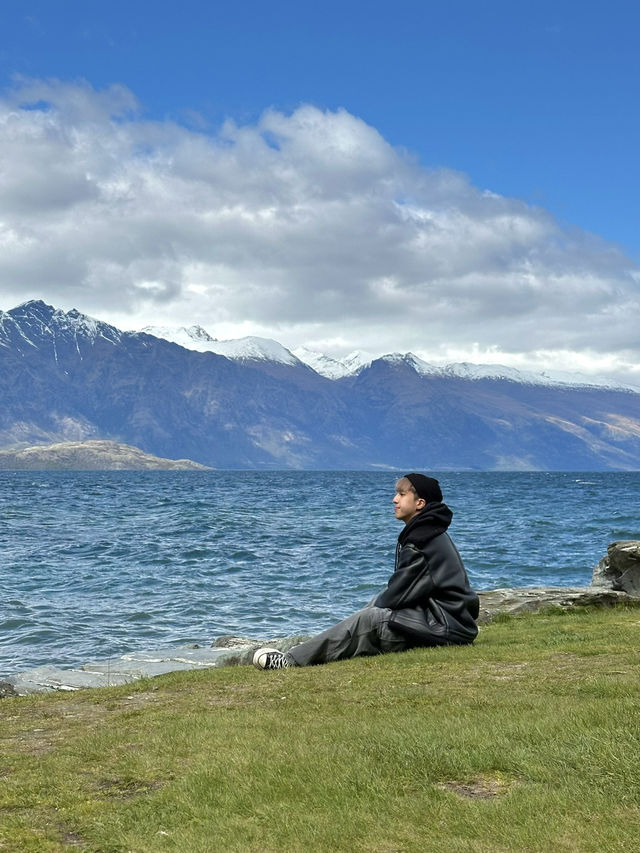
271	659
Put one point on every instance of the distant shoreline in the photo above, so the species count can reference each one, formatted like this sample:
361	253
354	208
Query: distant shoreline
90	455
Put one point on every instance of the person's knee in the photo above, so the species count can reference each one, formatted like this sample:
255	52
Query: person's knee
372	617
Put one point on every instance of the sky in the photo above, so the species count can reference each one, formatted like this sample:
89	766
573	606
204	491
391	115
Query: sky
457	179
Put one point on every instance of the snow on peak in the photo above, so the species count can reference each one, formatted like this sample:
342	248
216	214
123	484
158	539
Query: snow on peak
77	323
265	349
411	360
191	337
197	333
356	360
242	349
35	321
333	368
252	348
467	370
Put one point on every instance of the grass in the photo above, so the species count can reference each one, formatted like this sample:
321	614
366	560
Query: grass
527	741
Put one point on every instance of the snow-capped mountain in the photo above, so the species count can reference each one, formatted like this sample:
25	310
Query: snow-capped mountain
334	368
242	349
353	363
253	404
264	349
34	323
466	370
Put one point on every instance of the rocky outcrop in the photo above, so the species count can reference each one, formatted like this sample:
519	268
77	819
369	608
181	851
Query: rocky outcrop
111	672
91	455
616	580
530	599
225	651
619	568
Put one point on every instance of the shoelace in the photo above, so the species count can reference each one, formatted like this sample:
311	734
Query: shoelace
276	660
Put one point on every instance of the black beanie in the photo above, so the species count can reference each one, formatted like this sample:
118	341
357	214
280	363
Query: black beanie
426	487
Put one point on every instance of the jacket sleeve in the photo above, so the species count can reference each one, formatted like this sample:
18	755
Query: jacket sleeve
411	582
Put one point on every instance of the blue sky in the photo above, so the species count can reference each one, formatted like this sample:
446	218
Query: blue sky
535	102
538	100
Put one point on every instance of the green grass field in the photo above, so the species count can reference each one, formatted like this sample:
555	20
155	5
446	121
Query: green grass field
527	741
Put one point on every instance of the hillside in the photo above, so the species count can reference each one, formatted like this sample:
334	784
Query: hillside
68	377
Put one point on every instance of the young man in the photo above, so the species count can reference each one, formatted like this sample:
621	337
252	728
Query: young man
427	601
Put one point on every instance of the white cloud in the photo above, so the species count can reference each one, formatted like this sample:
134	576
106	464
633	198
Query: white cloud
307	227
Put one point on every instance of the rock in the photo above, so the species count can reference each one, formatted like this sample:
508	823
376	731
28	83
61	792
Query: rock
616	580
114	671
226	651
514	600
619	568
228	641
46	679
241	649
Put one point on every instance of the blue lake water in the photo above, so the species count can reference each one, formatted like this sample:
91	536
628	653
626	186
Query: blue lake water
95	564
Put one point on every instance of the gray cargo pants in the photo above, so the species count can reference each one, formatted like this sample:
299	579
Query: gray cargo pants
367	632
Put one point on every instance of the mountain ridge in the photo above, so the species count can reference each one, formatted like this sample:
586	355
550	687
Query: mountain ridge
65	376
247	348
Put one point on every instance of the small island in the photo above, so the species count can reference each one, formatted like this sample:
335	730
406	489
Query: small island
90	455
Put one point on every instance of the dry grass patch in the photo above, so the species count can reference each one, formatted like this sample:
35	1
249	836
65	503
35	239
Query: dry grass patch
478	789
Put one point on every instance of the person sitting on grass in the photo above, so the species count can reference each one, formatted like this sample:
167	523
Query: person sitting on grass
427	602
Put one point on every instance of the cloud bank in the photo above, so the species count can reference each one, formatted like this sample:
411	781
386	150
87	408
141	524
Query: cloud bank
309	228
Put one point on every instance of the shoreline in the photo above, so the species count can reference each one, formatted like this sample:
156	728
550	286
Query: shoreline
238	651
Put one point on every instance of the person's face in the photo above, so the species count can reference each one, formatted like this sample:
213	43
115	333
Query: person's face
406	503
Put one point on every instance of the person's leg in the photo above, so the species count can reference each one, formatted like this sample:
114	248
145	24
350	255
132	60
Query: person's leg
366	632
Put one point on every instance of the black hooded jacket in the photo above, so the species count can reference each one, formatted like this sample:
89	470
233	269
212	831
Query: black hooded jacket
429	590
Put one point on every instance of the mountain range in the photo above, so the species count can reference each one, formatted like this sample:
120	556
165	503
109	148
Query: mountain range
254	404
253	348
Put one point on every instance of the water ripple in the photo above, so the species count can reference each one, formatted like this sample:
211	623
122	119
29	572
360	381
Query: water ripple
95	564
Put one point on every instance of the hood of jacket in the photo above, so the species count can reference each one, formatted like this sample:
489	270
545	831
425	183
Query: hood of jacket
430	522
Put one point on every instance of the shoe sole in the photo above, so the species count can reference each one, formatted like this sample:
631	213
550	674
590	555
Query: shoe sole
262	653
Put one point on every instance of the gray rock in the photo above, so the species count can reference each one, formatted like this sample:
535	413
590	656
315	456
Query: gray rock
514	600
241	649
45	679
111	672
229	641
189	657
619	568
227	651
